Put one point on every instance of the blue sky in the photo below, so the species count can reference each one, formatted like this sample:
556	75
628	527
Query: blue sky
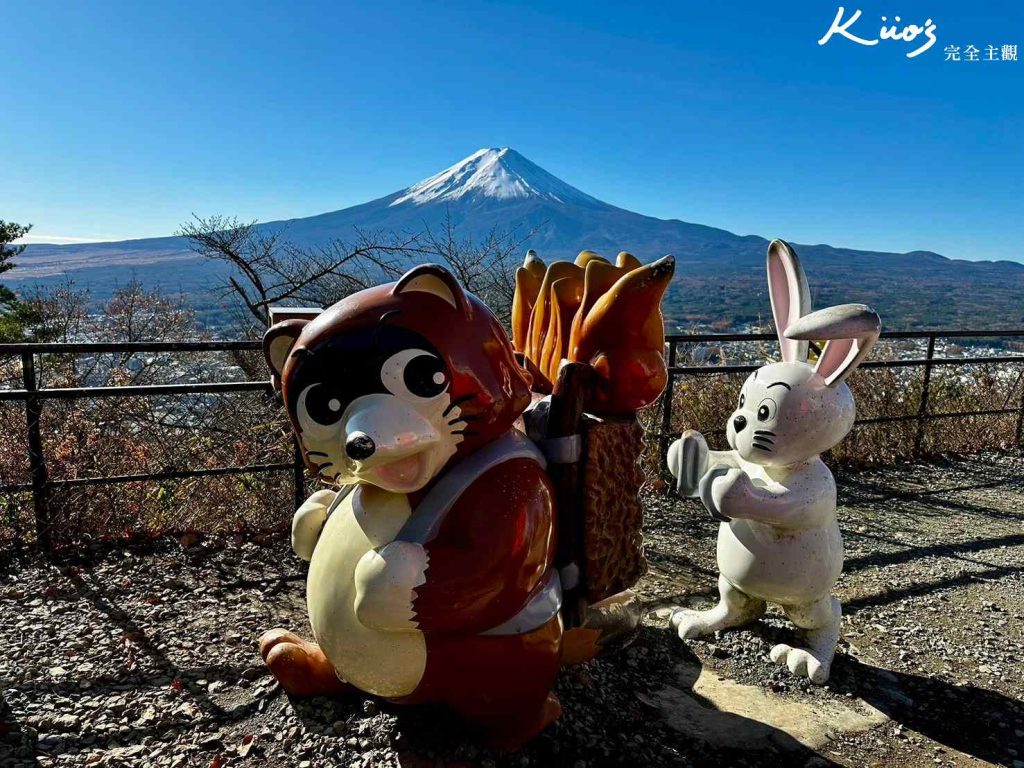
122	118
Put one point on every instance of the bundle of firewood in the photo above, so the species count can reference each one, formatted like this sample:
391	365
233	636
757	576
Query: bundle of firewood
605	315
592	335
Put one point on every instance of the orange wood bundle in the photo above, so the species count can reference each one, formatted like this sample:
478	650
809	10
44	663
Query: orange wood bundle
595	312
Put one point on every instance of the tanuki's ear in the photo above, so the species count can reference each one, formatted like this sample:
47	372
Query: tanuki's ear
277	344
437	281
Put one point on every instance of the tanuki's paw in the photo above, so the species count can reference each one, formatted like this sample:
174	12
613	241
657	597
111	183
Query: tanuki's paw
300	666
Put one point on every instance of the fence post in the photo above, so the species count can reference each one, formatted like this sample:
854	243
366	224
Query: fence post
666	407
299	474
37	462
922	409
1020	414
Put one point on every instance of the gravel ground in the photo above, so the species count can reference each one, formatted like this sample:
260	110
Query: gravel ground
148	656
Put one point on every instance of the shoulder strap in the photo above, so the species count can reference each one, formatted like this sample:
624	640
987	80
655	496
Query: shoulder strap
425	521
538	611
339	497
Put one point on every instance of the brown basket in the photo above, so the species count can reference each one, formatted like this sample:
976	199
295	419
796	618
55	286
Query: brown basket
600	519
610	480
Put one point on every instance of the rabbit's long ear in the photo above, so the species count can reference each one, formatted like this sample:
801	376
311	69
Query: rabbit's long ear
790	296
851	330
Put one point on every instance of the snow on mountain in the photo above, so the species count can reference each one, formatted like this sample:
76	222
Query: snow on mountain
500	174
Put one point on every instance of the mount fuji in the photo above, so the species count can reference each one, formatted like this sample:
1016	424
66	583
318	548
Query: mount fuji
719	275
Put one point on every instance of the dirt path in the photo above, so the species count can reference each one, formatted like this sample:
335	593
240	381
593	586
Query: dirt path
148	657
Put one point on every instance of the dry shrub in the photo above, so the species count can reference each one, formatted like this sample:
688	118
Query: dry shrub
101	437
104	437
15	514
144	435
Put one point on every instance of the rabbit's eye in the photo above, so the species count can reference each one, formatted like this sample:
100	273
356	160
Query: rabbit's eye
743	399
767	409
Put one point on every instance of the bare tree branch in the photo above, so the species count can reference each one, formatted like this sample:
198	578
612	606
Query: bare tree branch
487	268
268	270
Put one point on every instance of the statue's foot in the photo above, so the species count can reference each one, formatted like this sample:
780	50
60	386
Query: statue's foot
300	666
803	662
693	624
513	733
821	622
734	609
608	625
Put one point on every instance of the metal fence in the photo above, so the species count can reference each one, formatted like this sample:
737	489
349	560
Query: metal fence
928	363
34	398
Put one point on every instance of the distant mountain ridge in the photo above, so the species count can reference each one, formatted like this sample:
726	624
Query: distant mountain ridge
719	274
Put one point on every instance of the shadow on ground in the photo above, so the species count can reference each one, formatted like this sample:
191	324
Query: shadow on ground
634	707
168	670
976	721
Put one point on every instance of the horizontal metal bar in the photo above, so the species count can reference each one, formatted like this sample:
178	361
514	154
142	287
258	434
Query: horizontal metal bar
943	361
890	419
255	344
156	476
719	337
953	334
174	475
938	333
130	346
143	390
703	370
885	419
946	415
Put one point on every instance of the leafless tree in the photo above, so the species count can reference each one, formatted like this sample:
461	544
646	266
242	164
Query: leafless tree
63	310
484	267
268	270
132	314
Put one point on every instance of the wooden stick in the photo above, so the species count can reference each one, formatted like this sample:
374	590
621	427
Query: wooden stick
564	421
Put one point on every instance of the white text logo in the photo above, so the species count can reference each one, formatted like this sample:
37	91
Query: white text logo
908	34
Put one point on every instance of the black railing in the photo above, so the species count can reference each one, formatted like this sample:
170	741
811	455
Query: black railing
928	362
34	398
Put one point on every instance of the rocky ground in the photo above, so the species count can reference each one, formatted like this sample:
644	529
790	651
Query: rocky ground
148	657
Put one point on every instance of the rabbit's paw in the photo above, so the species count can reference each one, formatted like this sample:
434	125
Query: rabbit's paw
693	624
688	462
803	662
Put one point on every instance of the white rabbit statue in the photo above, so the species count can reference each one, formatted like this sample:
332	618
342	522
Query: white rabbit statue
779	541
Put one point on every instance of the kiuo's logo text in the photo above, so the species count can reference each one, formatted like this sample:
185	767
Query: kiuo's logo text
889	31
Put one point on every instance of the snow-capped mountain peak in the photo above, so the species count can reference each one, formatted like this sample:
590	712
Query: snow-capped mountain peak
499	174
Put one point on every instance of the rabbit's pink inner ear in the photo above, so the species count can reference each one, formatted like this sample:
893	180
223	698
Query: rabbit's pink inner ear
836	359
784	292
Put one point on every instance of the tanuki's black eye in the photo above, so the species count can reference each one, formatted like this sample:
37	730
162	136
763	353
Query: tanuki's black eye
323	405
414	373
743	399
424	376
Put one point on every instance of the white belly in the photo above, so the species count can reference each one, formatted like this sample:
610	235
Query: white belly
382	663
787	567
